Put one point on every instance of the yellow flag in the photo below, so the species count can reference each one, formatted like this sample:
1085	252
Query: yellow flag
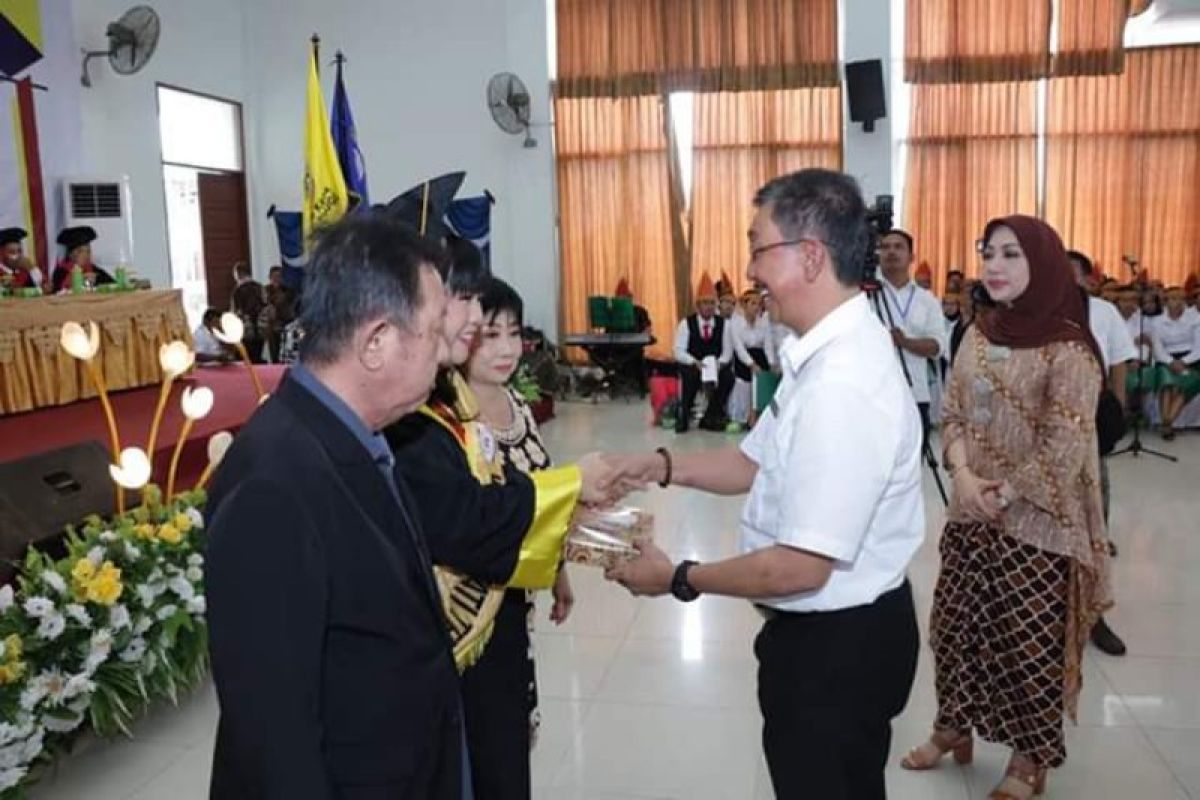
325	195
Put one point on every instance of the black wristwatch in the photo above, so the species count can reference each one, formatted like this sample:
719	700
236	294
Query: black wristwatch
680	588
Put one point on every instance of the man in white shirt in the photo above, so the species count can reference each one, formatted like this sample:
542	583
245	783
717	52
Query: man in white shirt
834	512
208	348
704	353
1117	350
919	327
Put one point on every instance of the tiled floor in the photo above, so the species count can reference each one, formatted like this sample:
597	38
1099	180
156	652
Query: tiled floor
655	699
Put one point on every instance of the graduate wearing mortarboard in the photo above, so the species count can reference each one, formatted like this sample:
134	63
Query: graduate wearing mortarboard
16	270
78	244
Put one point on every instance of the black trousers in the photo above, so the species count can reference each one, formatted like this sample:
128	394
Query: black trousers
690	378
829	685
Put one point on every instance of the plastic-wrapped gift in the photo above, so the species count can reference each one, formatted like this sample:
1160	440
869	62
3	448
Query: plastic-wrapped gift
604	537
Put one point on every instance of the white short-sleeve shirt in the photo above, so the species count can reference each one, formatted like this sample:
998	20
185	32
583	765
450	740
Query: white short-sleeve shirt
917	313
1110	332
839	461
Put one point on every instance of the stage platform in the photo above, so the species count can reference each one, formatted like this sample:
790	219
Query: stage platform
40	431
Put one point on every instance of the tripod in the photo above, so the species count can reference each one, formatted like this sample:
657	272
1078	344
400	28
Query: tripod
874	291
1135	447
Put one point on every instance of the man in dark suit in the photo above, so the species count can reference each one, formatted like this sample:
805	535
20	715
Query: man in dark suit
330	654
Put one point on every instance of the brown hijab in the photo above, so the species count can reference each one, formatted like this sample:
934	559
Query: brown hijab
1051	309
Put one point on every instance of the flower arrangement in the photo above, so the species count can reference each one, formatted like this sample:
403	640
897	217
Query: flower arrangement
102	633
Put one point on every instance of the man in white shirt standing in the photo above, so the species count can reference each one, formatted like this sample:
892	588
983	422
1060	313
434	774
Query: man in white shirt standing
919	328
704	353
834	512
1117	350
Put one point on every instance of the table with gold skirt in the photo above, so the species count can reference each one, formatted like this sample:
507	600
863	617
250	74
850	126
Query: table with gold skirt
35	372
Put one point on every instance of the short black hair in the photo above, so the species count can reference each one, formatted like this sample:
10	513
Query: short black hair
210	314
498	296
464	272
903	234
1085	263
274	269
242	269
954	272
364	267
827	205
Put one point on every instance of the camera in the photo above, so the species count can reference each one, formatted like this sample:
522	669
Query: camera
879	221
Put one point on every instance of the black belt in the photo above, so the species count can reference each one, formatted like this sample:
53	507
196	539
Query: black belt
770	614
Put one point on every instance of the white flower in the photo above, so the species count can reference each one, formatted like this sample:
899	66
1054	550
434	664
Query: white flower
194	574
52	626
167	611
232	328
195	559
31	695
79	614
118	617
144	624
196	402
134	651
96	556
6	598
11	777
78	685
155	576
132	552
62	725
182	588
108	537
145	595
133	471
197	520
98	650
79	343
149	662
197	605
175	359
48	685
54	581
218	445
32	746
20	729
12	756
38	607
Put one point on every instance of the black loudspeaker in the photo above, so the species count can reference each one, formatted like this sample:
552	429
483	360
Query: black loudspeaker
41	495
864	88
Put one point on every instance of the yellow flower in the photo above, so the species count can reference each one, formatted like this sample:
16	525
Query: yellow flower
13	647
10	673
182	522
169	534
83	571
144	531
106	587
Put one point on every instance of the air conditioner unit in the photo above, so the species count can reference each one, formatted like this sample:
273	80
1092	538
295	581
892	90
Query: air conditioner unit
106	205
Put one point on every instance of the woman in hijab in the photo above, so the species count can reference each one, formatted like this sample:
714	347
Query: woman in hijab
1024	562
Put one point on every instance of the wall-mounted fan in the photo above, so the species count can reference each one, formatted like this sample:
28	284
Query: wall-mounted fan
508	100
131	42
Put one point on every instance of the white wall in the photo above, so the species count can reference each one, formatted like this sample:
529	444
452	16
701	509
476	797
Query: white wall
201	48
866	30
416	73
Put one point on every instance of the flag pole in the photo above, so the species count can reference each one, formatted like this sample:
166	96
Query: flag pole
316	49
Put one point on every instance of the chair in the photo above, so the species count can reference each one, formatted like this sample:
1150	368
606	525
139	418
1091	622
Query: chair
599	313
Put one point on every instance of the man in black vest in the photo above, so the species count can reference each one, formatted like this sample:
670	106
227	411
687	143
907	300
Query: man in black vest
700	337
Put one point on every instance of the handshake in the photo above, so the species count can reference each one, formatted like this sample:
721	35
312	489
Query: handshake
609	477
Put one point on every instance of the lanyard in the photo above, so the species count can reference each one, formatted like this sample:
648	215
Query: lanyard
912	292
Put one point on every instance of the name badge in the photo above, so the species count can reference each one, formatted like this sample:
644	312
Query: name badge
487	442
997	352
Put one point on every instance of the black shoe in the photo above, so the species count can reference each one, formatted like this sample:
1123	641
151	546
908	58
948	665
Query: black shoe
681	424
1105	640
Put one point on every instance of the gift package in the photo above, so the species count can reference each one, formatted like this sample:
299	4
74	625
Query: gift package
604	537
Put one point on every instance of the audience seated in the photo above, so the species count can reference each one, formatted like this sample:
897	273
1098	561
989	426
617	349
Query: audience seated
704	353
751	331
1176	344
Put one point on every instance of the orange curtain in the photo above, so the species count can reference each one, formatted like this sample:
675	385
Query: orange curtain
1091	35
972	156
742	140
614	206
619	48
1123	163
967	41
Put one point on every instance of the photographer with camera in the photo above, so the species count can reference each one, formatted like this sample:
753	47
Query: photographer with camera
919	330
834	512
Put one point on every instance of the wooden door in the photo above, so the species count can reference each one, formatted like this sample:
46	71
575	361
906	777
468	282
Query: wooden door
225	232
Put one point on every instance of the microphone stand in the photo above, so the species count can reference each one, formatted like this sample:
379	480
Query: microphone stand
1135	447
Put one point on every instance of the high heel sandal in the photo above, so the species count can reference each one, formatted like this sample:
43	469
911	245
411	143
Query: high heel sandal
1017	781
929	755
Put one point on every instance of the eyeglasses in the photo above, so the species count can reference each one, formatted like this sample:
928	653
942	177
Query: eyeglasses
755	252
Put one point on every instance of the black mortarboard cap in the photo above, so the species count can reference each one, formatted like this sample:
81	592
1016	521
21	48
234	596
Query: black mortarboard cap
407	207
10	235
71	238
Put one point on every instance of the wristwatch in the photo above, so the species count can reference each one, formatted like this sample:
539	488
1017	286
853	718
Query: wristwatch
681	590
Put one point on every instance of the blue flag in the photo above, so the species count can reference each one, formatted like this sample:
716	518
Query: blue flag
471	218
345	141
289	228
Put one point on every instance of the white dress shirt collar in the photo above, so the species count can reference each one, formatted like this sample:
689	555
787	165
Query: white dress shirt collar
797	350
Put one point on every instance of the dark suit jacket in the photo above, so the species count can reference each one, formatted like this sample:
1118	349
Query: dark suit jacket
329	650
